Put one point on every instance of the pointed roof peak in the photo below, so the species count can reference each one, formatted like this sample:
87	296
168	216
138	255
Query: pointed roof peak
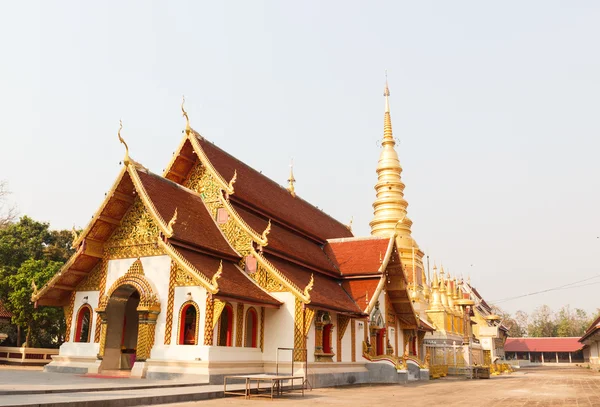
386	93
292	180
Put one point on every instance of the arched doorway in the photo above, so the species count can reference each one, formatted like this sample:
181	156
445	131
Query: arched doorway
128	314
122	322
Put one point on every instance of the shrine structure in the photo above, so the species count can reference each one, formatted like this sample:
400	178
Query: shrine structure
211	267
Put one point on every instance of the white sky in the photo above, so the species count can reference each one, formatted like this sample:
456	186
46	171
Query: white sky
495	104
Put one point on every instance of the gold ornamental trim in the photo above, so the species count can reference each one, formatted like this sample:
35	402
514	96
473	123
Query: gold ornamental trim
260	239
303	295
224	185
211	285
137	182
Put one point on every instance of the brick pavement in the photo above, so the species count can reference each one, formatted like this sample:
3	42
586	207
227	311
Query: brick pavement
529	387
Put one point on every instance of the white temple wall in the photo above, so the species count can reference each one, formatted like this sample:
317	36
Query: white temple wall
279	327
361	325
174	351
88	349
347	343
310	342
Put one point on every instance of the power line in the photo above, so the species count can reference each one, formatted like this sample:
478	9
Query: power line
564	286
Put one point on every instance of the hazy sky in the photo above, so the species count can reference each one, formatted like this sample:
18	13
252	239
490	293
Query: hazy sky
495	105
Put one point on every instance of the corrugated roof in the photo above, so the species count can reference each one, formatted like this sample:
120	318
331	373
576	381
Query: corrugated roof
542	345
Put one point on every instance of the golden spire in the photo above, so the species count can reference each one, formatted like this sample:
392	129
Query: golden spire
188	129
291	180
390	207
126	159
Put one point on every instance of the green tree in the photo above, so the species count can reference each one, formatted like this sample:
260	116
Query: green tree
571	323
29	251
542	322
45	325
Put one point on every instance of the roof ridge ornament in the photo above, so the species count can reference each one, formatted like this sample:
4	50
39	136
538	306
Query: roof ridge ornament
309	286
126	160
172	222
291	180
217	276
188	129
75	236
266	232
231	182
349	225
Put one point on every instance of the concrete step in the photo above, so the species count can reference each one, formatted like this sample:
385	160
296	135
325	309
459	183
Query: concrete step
95	386
119	397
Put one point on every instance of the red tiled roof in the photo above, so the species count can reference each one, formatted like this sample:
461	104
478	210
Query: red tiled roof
267	196
233	283
359	289
326	292
284	241
542	345
4	313
358	256
194	223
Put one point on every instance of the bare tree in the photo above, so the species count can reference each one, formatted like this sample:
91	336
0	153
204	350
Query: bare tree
8	214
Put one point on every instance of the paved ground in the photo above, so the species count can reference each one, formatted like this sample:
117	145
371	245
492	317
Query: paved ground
529	387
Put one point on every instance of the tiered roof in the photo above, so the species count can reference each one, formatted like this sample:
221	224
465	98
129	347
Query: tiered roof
314	255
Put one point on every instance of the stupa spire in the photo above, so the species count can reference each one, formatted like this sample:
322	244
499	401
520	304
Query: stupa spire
390	207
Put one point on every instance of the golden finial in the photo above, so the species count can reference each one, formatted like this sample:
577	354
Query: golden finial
349	226
75	236
310	285
233	179
266	232
386	93
217	275
34	287
126	159
172	222
188	129
291	180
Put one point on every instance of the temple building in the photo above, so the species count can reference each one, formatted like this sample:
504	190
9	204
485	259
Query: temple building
212	268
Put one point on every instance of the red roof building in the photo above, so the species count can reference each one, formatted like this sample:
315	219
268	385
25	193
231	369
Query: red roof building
545	350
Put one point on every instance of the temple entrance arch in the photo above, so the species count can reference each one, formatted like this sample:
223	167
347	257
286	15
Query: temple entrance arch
128	314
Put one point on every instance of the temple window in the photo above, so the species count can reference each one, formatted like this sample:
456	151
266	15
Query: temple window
188	323
251	328
84	322
323	337
225	330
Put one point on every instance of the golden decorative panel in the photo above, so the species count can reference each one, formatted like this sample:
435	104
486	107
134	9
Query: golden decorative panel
92	281
170	303
309	315
101	289
218	307
262	329
299	338
208	321
137	227
183	278
69	316
239	330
